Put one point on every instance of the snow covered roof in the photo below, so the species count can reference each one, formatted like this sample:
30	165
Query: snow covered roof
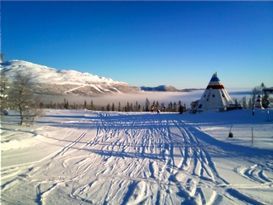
268	90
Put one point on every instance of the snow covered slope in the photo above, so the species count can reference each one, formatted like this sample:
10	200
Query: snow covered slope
84	157
55	81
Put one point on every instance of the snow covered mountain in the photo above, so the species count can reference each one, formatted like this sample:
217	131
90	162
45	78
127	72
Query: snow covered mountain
160	88
54	81
168	88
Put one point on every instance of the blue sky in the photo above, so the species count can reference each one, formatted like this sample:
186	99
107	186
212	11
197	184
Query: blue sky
146	43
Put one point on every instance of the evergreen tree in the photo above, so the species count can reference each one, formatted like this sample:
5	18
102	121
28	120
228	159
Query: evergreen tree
147	105
180	108
163	108
108	107
92	107
174	107
136	107
265	101
119	107
179	103
66	104
262	86
127	108
153	106
157	105
170	107
139	108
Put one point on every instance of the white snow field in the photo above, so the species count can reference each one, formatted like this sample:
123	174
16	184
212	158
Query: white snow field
85	157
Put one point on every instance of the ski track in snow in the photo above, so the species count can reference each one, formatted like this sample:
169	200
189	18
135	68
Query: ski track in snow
76	88
131	159
256	173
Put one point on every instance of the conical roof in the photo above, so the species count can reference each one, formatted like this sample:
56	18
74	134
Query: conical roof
215	97
214	78
215	82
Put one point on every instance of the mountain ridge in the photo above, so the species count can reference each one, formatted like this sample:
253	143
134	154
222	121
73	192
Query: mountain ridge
167	88
161	88
55	81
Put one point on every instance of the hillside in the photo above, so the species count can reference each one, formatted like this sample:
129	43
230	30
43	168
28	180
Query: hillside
53	81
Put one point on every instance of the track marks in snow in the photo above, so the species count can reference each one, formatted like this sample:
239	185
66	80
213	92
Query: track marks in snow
42	193
130	191
142	157
242	197
20	177
69	145
153	169
197	169
255	173
136	159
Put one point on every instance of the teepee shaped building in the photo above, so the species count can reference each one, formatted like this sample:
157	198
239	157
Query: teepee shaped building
215	96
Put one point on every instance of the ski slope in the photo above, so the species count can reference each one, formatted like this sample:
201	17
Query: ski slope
84	157
54	81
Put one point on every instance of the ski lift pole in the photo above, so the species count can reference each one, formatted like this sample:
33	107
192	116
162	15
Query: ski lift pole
230	134
252	136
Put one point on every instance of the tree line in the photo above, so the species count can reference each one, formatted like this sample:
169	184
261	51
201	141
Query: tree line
148	106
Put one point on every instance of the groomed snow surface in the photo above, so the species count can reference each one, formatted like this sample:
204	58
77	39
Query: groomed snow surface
85	157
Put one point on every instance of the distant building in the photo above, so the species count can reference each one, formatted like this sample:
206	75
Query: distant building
258	102
268	91
215	97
